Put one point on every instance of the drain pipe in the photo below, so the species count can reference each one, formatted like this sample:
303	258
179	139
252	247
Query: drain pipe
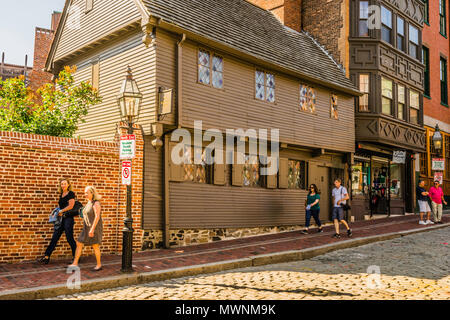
180	80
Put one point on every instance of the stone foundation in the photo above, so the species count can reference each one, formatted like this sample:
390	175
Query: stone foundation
153	239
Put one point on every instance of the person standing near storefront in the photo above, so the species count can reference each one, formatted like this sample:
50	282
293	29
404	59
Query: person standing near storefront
340	197
437	198
312	208
422	199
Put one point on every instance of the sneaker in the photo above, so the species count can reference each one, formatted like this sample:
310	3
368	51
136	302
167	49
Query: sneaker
304	231
337	235
349	232
429	222
422	222
320	230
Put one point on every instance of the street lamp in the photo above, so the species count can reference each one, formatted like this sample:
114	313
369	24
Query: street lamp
129	101
437	139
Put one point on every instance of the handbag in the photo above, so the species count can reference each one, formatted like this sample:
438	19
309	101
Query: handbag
345	206
75	211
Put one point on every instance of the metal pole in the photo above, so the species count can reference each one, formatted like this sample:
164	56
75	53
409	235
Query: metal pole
127	246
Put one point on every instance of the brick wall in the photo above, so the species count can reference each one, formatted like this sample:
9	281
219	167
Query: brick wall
31	166
42	43
287	11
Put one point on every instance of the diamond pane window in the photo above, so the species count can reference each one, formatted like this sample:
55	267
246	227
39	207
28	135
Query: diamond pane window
296	174
251	171
191	171
270	87
307	99
203	67
259	78
217	72
334	107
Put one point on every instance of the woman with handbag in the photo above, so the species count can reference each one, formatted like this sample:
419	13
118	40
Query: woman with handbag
92	228
312	208
66	204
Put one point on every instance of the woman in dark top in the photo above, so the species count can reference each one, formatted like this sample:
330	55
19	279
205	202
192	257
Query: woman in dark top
66	203
312	208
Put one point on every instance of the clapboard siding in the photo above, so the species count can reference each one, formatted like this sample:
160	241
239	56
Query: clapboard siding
102	118
152	215
235	105
82	28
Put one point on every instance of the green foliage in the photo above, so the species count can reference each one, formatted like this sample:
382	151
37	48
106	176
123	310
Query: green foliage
54	110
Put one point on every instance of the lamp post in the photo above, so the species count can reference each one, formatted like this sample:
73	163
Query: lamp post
129	101
437	140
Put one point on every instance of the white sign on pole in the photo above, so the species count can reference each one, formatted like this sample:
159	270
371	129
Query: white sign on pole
438	164
128	146
399	157
126	173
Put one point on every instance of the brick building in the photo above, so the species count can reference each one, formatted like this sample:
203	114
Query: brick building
42	42
436	53
8	70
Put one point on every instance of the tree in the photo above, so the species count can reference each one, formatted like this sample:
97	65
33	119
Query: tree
55	109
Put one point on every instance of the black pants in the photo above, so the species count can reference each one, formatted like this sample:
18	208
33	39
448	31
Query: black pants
67	227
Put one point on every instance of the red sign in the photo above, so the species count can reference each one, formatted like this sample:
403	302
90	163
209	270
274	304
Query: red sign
439	176
126	173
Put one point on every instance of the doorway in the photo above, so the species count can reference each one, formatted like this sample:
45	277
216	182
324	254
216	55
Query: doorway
320	176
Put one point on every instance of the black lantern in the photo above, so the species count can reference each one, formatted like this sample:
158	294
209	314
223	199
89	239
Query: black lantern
437	139
129	99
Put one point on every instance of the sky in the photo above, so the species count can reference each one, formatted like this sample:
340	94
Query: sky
19	18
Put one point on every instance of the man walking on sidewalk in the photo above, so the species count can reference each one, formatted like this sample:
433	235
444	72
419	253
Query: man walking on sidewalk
340	197
437	197
422	199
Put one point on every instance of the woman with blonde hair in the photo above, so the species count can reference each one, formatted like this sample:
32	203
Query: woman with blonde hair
92	232
65	205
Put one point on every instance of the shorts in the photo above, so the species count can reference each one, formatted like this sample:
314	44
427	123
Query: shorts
424	206
337	213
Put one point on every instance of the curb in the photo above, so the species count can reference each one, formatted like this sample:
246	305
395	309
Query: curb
258	260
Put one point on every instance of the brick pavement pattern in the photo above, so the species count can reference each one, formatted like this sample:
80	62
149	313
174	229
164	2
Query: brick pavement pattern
411	267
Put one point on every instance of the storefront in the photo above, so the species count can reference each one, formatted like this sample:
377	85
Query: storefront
379	183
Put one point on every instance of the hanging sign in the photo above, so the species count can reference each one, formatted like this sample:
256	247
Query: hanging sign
128	146
439	176
438	164
399	157
126	173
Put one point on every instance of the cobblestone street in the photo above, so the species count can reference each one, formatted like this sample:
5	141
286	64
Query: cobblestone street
411	267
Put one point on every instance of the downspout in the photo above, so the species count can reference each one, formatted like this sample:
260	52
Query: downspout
179	89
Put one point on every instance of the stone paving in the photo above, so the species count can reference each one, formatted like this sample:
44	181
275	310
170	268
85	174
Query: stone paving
412	267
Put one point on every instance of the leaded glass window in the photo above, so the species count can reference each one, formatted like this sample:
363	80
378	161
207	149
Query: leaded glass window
296	174
191	171
217	72
251	171
203	67
264	86
334	107
307	99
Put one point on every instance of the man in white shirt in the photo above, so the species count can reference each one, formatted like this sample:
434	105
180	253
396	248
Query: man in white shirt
340	197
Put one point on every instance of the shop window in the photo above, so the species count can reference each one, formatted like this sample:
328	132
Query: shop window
443	77
265	86
401	102
447	156
307	99
400	34
363	18
191	171
210	71
442	18
414	107
426	62
296	174
396	179
386	24
386	105
250	171
413	41
334	107
360	178
364	87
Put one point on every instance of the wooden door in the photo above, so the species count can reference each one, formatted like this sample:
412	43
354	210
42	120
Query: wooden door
320	176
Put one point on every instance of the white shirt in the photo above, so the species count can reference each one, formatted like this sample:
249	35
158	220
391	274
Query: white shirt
339	194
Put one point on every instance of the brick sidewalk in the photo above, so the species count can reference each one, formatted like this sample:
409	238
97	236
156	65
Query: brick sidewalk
33	275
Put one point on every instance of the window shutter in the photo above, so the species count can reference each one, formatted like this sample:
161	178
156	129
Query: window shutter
283	173
175	170
237	174
219	172
89	5
272	181
95	75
